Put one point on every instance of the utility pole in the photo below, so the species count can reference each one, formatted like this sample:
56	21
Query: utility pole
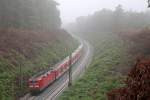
70	70
20	71
13	89
148	3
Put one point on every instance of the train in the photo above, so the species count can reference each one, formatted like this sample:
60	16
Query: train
43	79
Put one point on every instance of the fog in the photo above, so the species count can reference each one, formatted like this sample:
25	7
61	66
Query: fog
71	9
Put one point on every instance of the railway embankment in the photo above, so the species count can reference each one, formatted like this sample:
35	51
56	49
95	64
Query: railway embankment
24	53
107	70
137	85
119	71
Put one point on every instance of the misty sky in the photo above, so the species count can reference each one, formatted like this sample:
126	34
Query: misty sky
71	9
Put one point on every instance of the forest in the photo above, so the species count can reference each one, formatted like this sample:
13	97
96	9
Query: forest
29	14
120	69
131	26
31	40
107	20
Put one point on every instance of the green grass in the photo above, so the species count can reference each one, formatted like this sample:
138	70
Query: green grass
101	76
47	56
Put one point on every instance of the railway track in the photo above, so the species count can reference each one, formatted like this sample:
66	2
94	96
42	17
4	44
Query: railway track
55	89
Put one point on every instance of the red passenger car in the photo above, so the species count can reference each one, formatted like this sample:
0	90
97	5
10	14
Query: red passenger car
39	82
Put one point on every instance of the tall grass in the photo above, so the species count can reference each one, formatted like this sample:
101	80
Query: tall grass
101	75
10	78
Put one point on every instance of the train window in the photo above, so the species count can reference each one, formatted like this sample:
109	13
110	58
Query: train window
33	81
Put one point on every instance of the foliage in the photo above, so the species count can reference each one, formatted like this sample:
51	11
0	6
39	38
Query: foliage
10	74
31	40
137	41
107	20
29	14
137	83
111	54
33	51
101	76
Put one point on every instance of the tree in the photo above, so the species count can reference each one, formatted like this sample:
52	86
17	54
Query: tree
29	14
118	19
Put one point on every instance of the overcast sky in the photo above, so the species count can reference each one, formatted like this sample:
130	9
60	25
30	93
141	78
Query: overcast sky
71	9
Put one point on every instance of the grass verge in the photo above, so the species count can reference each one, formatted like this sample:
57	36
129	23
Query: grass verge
102	75
46	57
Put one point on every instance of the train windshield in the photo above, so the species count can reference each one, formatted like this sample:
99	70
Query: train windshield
33	82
